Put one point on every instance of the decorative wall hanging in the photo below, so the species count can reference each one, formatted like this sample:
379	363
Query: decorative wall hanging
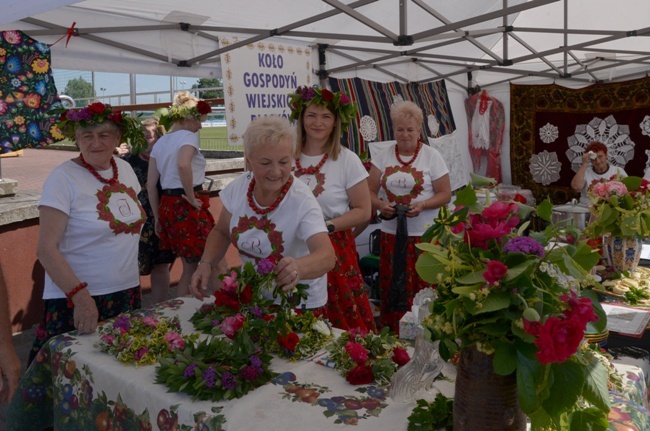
486	120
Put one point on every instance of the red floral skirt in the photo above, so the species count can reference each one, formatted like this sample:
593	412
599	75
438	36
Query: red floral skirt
413	281
185	229
348	306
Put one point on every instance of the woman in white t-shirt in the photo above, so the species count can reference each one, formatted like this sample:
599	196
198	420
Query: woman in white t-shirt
269	215
337	179
595	166
415	177
90	222
183	219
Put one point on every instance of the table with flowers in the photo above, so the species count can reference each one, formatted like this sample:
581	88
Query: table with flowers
72	385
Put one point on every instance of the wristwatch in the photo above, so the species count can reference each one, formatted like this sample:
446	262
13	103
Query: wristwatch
330	226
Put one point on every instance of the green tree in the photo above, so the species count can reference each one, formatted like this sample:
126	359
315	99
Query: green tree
79	88
209	83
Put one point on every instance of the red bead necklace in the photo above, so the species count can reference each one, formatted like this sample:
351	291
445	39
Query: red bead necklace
96	174
274	205
312	169
415	155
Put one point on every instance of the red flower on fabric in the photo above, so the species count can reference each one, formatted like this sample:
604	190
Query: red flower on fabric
495	271
357	352
558	339
401	356
203	107
289	341
360	375
327	95
96	108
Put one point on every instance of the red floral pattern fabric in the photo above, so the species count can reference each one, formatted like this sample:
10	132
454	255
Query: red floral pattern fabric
185	229
348	306
413	281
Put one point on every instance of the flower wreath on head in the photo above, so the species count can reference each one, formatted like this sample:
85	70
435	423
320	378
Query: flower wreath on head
167	116
97	113
338	102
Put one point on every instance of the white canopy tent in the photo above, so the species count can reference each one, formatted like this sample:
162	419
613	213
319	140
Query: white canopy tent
466	42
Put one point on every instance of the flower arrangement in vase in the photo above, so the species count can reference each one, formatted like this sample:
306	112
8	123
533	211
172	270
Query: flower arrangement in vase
518	299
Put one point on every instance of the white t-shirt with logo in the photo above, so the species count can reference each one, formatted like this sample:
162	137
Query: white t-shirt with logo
283	232
100	241
166	154
409	184
330	185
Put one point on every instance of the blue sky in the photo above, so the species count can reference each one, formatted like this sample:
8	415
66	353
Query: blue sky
113	88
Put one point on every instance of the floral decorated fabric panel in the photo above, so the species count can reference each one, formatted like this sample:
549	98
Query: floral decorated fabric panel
552	125
27	92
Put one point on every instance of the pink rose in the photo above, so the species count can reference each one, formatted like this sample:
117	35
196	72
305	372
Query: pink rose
495	271
174	341
232	324
615	188
357	352
600	190
150	321
230	282
500	210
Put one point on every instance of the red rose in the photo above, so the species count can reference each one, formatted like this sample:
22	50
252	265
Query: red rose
558	339
360	375
116	117
289	341
357	352
268	317
495	271
581	309
519	198
401	356
246	295
327	95
203	107
225	299
96	108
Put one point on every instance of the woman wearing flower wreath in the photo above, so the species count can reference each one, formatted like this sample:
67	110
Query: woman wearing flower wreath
183	221
415	177
338	180
90	221
269	215
151	259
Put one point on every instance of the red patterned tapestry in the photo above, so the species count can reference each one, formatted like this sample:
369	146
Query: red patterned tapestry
373	99
551	126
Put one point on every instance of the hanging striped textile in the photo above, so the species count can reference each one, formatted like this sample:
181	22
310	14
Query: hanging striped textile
375	99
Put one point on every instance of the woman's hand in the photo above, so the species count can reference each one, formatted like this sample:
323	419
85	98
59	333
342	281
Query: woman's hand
388	210
416	209
86	314
287	273
200	281
197	204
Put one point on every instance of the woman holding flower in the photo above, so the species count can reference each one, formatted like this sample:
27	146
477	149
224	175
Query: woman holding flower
593	169
337	179
90	221
269	215
182	218
415	177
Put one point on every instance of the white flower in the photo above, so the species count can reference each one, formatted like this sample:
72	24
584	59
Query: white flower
321	326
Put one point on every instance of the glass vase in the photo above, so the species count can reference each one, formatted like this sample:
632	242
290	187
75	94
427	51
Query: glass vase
483	400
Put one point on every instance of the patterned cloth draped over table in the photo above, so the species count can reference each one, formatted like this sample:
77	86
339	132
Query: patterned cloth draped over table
374	100
73	386
552	125
27	92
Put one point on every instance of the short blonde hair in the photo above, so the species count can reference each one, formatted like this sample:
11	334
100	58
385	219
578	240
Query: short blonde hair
152	123
268	130
406	110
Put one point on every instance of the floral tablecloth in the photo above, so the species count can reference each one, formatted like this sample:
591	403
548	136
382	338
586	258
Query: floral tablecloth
73	386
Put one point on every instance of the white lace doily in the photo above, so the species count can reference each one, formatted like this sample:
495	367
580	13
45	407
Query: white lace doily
368	128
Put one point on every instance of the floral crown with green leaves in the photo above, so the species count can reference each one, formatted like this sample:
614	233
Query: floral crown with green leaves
338	102
174	113
70	120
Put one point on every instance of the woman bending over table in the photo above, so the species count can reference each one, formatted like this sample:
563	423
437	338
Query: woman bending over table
183	221
411	178
268	214
90	221
338	180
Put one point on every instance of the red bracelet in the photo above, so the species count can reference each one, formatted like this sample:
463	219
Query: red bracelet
73	292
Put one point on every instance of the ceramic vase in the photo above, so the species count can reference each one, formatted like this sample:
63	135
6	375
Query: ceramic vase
483	400
623	254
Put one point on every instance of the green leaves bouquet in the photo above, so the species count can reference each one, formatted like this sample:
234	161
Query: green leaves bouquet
519	298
